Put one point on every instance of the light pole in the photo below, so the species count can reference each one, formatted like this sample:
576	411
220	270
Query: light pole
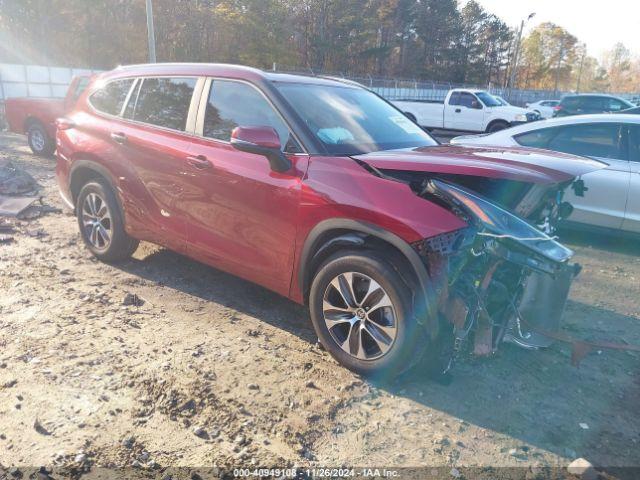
516	53
151	37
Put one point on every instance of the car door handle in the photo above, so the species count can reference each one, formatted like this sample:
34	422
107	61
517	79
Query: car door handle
199	161
119	137
458	110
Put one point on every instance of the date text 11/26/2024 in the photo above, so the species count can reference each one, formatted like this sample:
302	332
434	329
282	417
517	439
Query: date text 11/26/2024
315	473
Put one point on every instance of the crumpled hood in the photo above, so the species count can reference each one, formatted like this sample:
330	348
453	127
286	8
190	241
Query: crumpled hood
513	163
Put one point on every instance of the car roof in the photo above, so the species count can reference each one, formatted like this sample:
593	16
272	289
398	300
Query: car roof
240	72
572	120
589	95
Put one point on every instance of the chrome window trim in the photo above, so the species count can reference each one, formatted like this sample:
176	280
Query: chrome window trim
136	84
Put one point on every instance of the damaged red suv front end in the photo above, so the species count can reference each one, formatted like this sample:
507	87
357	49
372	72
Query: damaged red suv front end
503	276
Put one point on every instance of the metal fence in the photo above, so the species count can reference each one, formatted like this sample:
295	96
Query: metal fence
413	89
52	82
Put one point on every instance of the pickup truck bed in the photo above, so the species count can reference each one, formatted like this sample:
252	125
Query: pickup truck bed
36	117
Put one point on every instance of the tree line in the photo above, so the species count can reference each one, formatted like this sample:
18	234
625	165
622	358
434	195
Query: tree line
437	40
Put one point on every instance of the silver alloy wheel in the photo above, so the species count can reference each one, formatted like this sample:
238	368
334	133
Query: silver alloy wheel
96	219
359	316
37	139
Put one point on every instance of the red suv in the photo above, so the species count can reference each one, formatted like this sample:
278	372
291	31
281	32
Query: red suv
323	192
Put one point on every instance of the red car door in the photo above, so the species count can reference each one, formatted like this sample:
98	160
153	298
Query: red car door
241	215
157	146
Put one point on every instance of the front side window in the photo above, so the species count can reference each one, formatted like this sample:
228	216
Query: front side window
111	97
537	138
232	104
351	121
467	99
601	140
615	105
163	102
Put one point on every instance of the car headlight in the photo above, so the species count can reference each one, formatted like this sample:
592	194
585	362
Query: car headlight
521	117
496	222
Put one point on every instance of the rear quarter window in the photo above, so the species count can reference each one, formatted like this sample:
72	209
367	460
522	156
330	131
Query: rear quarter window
111	97
537	138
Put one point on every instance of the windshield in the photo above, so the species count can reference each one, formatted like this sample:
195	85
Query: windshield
488	100
352	121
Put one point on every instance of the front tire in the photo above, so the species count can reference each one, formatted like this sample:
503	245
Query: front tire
101	225
362	312
40	142
497	126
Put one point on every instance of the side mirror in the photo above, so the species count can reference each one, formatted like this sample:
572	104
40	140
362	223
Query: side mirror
261	141
476	104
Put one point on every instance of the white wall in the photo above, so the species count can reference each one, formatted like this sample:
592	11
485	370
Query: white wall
36	80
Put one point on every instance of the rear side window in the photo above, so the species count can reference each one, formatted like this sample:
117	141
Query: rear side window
571	102
111	97
163	102
233	104
595	103
537	138
590	140
454	99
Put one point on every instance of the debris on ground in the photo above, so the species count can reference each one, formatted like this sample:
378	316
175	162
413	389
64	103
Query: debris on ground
37	426
15	181
15	206
132	299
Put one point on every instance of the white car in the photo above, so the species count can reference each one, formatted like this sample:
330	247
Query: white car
544	107
466	110
612	196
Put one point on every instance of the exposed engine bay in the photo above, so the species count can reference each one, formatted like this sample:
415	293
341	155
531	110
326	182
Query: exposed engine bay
501	278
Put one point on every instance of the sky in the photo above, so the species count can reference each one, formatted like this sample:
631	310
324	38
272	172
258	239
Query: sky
599	24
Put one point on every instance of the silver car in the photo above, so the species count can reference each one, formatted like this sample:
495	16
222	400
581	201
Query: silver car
612	196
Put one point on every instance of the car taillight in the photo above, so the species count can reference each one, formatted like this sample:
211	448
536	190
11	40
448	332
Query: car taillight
557	108
64	123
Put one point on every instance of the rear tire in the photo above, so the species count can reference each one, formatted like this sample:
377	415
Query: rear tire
497	126
101	225
40	142
362	312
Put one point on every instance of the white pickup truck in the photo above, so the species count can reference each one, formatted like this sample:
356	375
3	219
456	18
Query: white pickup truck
466	110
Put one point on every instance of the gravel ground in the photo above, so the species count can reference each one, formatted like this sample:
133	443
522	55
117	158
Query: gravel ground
204	369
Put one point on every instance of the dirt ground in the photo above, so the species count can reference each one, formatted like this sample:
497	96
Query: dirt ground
214	371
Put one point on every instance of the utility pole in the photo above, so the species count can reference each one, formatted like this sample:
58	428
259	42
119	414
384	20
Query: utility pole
516	54
151	36
561	53
584	54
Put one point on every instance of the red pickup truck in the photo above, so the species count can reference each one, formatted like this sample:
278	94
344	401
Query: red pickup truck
36	117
